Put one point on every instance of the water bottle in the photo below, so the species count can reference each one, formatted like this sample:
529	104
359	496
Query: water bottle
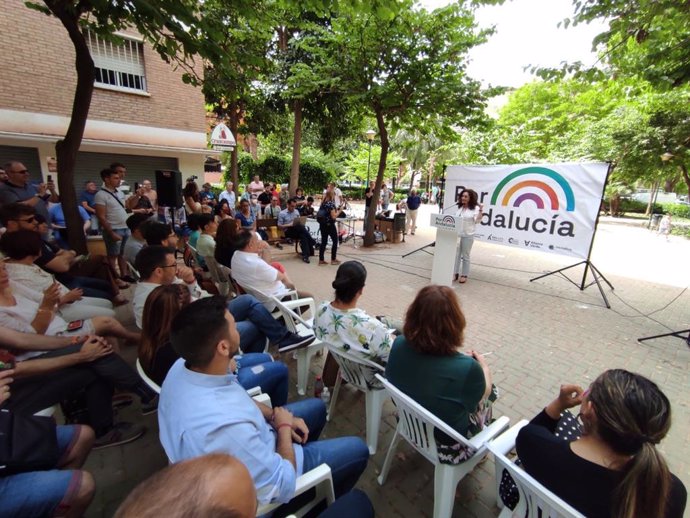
325	396
318	387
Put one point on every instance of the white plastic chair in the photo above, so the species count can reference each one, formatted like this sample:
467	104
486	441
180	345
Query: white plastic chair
416	425
320	479
356	371
218	277
254	392
266	299
302	326
535	500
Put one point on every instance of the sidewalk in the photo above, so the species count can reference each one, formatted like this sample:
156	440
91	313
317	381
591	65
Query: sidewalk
541	334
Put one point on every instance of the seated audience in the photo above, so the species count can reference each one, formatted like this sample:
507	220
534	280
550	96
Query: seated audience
160	234
65	490
222	487
251	271
247	219
22	248
51	369
343	324
308	208
59	225
157	266
206	244
288	221
223	211
193	240
136	241
27	316
457	386
614	469
203	409
93	274
157	355
226	235
300	198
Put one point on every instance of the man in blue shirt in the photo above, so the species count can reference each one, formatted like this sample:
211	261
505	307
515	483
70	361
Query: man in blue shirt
17	189
203	409
413	202
87	200
289	223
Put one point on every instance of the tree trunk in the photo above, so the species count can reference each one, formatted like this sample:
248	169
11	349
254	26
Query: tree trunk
652	198
385	144
296	143
66	149
234	166
686	176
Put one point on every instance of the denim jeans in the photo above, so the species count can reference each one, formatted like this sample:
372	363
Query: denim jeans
254	323
97	288
258	369
346	456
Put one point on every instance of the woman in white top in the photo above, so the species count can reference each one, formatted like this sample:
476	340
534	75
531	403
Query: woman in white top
22	248
470	213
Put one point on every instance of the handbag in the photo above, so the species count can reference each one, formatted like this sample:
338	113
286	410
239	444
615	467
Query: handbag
322	215
27	443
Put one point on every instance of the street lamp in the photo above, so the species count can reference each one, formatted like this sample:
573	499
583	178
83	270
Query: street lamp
370	137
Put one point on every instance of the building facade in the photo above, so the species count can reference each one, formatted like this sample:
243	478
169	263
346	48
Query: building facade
142	114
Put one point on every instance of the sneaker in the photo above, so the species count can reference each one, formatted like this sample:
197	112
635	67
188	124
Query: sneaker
150	407
294	341
121	433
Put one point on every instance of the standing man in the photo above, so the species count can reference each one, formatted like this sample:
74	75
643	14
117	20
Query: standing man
86	200
413	202
17	189
288	221
256	187
368	196
112	216
139	203
150	194
386	197
229	194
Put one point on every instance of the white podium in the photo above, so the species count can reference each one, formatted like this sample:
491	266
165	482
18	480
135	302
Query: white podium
447	229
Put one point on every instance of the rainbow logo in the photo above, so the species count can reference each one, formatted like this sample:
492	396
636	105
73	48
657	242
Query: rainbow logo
547	193
448	220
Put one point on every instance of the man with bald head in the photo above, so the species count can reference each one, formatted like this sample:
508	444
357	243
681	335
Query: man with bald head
18	189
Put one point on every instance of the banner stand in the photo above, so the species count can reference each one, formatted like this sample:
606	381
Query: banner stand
596	274
677	334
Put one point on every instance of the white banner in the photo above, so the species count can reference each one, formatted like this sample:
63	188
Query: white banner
547	207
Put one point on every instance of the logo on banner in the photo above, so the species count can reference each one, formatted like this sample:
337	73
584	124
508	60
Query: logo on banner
534	190
513	191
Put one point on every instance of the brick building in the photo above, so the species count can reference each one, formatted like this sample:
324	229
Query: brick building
142	114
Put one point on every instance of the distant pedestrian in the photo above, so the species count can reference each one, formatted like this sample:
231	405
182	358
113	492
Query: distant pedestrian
665	226
413	202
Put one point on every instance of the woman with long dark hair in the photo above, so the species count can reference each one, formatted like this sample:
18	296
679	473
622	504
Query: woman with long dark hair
427	363
225	241
157	355
470	214
614	470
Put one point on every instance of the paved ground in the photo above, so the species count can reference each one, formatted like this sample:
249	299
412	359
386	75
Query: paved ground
540	334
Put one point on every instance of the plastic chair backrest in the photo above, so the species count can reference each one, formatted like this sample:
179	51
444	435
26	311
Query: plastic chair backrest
417	424
353	369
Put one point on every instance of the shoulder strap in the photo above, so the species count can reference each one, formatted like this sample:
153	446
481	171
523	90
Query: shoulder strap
116	198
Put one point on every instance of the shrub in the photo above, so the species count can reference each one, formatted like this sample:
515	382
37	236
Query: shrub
676	209
638	206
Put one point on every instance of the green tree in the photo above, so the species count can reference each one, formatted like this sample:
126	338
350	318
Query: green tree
404	69
175	29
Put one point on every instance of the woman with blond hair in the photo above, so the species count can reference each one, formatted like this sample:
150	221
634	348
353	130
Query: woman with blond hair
426	362
614	469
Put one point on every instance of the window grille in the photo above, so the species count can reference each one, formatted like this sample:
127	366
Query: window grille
120	65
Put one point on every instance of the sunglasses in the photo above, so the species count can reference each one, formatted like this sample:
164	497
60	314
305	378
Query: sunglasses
31	219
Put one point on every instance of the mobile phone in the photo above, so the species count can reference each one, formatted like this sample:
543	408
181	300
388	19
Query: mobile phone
7	361
50	177
75	325
136	186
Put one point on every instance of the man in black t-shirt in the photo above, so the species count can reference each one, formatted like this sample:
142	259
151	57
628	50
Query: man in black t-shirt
368	196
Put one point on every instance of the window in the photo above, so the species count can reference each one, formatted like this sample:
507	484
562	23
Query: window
118	65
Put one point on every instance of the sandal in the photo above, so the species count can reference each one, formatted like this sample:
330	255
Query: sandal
463	279
321	263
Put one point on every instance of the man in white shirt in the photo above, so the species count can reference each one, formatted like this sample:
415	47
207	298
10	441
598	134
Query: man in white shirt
229	194
157	266
250	270
112	218
256	187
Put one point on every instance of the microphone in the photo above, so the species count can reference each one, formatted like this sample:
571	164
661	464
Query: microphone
446	208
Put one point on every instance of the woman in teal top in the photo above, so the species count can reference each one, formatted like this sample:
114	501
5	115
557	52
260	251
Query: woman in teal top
426	364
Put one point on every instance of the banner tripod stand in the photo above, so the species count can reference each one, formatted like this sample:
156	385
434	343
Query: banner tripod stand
683	335
596	274
421	249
